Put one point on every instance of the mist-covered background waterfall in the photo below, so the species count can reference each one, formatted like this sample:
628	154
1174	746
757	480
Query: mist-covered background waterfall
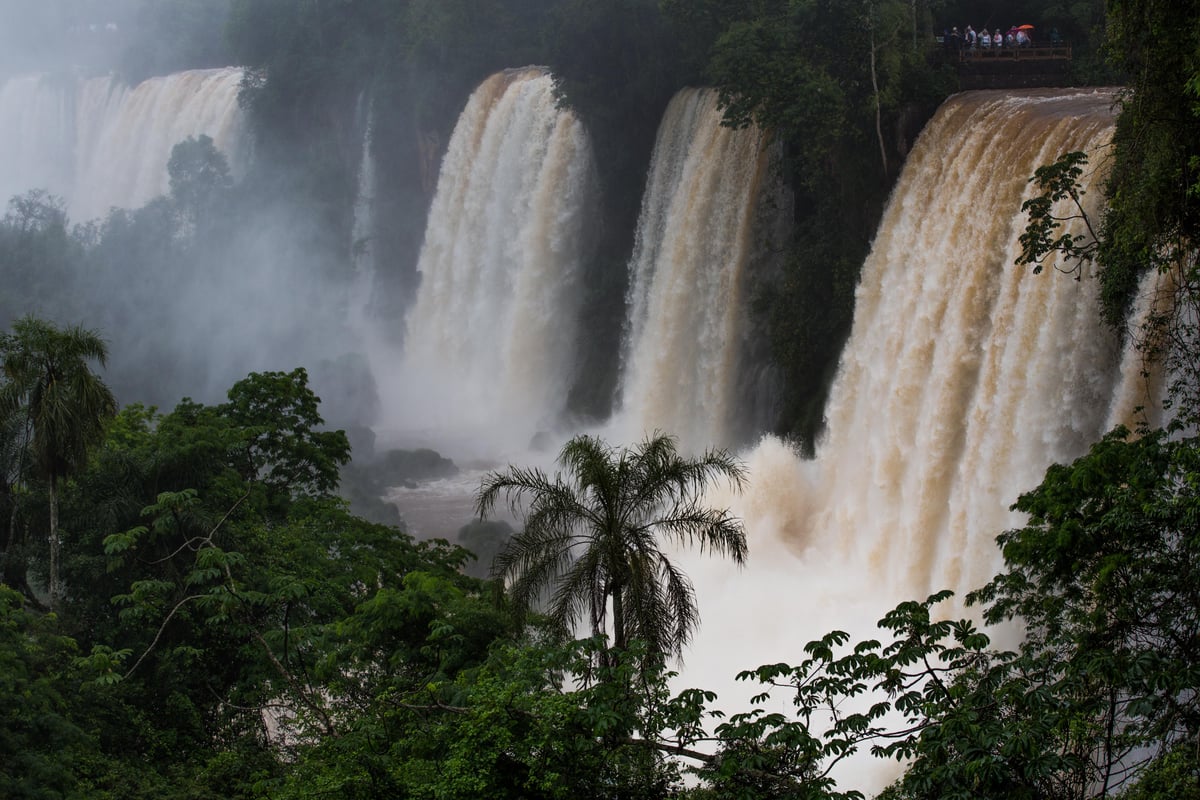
192	292
99	143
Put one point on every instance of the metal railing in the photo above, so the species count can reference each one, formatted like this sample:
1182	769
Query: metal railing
1030	52
1035	51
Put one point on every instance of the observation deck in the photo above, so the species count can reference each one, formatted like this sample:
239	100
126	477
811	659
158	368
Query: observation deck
1039	64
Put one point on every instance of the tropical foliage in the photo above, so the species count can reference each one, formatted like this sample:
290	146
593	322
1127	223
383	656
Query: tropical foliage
219	598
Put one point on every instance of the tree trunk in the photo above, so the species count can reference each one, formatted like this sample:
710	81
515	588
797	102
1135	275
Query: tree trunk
878	106
10	540
13	560
916	44
8	570
618	620
55	585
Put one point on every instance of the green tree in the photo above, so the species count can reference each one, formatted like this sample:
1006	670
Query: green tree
217	581
1102	582
1099	694
1153	214
199	180
66	405
1105	579
37	256
592	538
1172	776
43	748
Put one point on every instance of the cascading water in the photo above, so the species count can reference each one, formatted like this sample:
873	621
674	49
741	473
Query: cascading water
964	377
37	135
362	233
98	143
191	317
686	298
490	341
126	134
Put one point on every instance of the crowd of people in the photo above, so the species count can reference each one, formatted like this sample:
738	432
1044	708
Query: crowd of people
969	39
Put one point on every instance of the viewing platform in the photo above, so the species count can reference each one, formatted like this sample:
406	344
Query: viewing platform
1040	64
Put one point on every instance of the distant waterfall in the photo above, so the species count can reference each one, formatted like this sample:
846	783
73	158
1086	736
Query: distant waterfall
363	231
98	143
126	134
491	339
37	135
688	284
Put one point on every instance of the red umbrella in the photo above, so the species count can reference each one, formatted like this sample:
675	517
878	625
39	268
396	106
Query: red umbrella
1024	27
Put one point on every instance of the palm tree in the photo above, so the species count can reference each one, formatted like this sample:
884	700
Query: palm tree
592	538
65	405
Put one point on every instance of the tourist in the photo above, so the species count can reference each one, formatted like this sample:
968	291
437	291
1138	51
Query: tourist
970	38
985	39
998	39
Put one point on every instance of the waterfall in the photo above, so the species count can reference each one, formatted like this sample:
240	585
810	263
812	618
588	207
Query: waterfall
98	143
126	134
491	338
37	135
964	377
688	276
363	231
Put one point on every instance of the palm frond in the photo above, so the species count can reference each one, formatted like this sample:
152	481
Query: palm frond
666	478
542	554
582	583
680	598
714	531
513	484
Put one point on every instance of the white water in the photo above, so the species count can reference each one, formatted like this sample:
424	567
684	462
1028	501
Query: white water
37	135
963	379
98	143
686	304
362	235
491	340
965	376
